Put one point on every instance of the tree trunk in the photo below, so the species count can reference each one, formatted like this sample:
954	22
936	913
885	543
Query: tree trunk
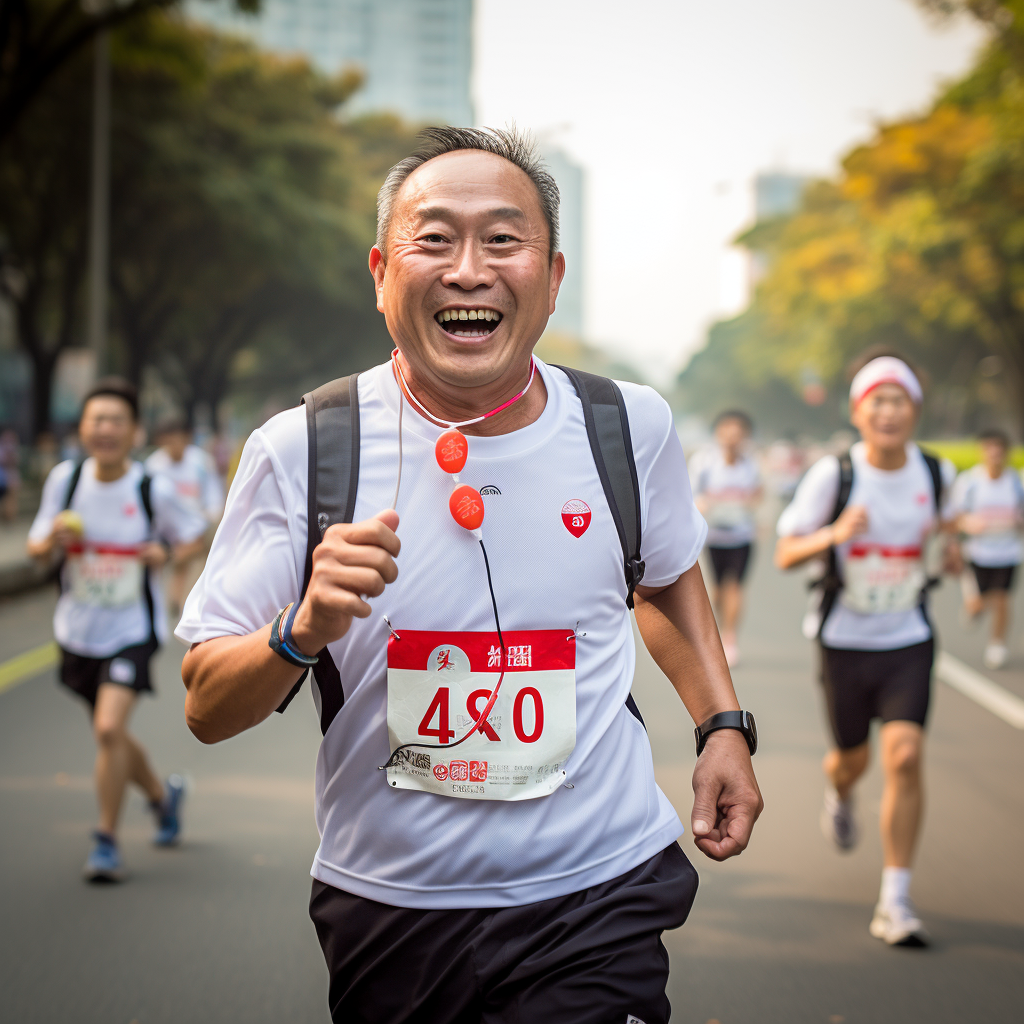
43	366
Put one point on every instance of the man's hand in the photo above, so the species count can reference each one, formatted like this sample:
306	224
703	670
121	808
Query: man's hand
851	523
153	554
726	800
354	560
972	524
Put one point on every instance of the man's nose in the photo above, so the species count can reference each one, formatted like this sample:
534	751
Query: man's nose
469	269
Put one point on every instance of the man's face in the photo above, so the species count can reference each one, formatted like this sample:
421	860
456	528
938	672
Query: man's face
174	442
468	285
886	417
993	454
730	434
107	429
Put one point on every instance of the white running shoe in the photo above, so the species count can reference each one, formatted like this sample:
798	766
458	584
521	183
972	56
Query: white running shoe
838	822
897	924
732	653
995	655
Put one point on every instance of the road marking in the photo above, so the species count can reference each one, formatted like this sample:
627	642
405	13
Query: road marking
1007	706
27	665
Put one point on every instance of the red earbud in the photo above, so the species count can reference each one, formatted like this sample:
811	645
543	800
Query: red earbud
467	506
451	451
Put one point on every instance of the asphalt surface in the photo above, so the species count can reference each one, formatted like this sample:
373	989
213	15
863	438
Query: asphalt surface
217	930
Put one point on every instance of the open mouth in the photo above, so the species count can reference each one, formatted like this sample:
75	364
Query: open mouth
468	323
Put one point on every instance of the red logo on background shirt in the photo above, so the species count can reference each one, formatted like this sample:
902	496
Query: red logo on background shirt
576	515
130	510
922	499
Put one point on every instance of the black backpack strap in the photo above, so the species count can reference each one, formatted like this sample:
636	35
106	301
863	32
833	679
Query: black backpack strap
146	498
604	413
831	583
332	432
146	495
935	472
76	475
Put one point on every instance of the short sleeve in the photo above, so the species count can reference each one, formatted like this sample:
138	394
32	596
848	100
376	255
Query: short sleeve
814	500
52	502
673	530
173	520
254	567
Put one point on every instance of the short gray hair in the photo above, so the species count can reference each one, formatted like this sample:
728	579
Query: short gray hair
515	147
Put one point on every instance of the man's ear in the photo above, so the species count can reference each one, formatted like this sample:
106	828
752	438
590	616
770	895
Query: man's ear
378	268
557	273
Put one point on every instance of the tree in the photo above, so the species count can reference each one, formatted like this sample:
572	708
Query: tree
40	37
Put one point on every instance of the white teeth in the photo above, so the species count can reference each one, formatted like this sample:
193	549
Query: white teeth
447	315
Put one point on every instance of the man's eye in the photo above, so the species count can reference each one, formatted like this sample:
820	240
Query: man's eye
434	238
502	239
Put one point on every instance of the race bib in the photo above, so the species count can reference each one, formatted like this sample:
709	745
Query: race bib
439	683
877	578
105	578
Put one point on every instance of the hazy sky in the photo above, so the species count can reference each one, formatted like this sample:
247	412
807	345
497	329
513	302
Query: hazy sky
673	105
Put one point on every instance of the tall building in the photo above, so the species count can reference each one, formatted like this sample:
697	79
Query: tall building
568	314
417	55
776	194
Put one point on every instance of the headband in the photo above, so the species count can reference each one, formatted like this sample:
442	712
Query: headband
885	370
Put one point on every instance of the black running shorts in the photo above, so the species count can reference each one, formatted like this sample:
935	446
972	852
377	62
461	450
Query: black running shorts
730	563
128	667
862	685
593	957
994	577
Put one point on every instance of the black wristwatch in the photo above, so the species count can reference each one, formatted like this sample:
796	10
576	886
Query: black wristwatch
741	720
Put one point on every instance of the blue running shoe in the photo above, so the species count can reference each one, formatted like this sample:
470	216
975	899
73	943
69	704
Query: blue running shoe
104	863
168	814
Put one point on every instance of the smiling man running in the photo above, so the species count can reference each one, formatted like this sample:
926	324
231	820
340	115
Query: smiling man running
516	860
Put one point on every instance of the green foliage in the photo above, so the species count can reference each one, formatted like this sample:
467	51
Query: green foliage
918	244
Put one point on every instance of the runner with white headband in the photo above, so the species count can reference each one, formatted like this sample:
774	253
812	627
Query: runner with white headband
872	520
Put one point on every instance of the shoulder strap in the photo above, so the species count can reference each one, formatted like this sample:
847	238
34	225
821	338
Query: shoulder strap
604	412
845	486
935	471
76	475
146	495
332	433
831	583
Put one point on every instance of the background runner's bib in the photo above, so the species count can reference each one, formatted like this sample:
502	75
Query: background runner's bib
105	576
877	578
438	683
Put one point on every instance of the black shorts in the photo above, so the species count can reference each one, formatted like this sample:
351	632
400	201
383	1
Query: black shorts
993	577
128	667
730	563
862	685
593	957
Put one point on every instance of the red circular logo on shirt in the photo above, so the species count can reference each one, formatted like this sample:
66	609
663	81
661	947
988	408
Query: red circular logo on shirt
576	515
440	772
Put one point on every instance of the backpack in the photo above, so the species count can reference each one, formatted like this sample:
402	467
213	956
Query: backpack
831	583
332	431
146	500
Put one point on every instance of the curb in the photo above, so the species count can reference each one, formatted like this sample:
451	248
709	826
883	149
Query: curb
19	577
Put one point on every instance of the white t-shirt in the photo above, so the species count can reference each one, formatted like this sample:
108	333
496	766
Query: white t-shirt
729	491
195	479
425	850
901	515
1001	503
114	524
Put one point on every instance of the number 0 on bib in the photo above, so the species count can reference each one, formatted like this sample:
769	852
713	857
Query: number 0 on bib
438	683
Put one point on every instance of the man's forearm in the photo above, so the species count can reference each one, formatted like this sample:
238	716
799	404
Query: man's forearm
234	683
678	628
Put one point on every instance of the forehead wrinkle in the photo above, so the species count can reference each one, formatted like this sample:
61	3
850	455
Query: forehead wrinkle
449	213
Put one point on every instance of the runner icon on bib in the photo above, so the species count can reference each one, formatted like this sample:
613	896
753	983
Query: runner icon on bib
438	683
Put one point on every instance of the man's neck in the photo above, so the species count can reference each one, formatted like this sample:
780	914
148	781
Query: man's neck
455	404
886	458
108	472
994	473
730	456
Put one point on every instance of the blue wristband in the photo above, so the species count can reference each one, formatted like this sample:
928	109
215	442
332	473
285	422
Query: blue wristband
282	642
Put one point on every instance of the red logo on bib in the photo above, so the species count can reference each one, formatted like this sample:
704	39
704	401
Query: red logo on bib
458	771
477	771
440	772
576	515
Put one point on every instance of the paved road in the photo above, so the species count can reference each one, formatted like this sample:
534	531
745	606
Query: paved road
217	930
